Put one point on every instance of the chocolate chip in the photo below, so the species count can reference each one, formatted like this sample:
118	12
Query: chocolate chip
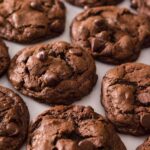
98	22
87	145
76	52
97	44
144	98
51	79
42	55
12	129
98	26
145	121
84	33
104	35
35	5
134	4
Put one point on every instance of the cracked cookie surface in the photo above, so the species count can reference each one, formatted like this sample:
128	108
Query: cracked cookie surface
126	98
26	21
14	120
111	34
142	6
72	128
53	73
145	145
91	3
4	57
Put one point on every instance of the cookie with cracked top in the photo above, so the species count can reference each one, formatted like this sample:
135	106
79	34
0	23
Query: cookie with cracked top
27	21
93	3
4	57
54	73
111	34
126	98
142	6
145	145
14	120
72	128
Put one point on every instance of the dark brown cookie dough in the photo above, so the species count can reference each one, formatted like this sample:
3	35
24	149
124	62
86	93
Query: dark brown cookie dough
145	145
142	6
91	3
14	120
4	57
111	34
126	98
26	21
72	128
53	73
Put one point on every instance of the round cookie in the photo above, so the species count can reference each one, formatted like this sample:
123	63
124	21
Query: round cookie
125	96
111	34
72	128
142	6
4	57
145	145
14	120
93	3
54	73
26	21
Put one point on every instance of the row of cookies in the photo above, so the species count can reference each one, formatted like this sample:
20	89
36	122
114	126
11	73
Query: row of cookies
61	127
60	73
111	34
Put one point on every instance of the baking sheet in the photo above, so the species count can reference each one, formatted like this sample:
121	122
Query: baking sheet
93	99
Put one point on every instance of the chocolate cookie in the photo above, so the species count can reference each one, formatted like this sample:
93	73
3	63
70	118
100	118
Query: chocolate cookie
91	3
4	57
143	6
53	73
126	98
145	145
14	120
30	20
111	34
72	128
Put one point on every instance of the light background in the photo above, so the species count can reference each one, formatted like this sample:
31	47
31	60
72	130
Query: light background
93	99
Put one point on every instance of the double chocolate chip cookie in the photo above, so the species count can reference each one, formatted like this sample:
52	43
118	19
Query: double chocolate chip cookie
53	73
4	57
142	6
72	128
30	20
14	120
145	145
126	98
93	3
111	34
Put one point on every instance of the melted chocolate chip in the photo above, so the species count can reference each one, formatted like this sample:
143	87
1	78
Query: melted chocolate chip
145	121
103	36
42	55
12	129
85	33
97	44
51	79
36	5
